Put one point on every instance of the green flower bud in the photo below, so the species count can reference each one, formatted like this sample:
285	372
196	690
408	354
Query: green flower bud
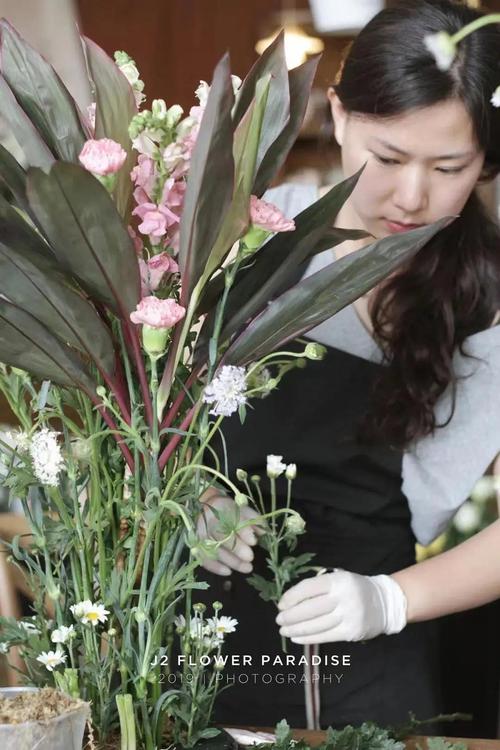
155	340
295	524
159	109
217	606
140	615
101	391
241	475
199	607
241	500
314	351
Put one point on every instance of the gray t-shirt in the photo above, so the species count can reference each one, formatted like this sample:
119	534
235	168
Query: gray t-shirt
440	470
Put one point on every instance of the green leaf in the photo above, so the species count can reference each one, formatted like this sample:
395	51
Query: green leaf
35	149
36	284
272	62
299	83
318	297
26	343
115	107
246	144
274	267
86	233
17	233
41	94
210	181
13	178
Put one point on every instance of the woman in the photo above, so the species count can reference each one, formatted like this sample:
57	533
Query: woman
389	430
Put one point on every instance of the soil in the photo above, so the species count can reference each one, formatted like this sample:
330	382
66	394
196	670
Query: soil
36	706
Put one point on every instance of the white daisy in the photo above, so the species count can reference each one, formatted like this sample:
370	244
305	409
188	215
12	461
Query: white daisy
442	48
220	626
275	466
226	391
51	659
88	612
46	457
62	634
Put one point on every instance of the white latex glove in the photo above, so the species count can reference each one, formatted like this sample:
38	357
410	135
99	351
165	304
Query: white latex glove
235	554
342	606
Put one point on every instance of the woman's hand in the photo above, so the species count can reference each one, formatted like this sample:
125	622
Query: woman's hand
341	606
236	553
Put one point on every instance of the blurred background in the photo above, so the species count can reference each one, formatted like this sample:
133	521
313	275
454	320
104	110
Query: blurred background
175	43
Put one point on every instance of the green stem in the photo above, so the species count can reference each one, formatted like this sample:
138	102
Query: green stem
127	721
475	25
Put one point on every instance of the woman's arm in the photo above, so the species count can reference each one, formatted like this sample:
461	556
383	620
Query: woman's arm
466	576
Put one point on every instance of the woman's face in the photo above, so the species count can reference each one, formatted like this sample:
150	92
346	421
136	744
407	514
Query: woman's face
421	165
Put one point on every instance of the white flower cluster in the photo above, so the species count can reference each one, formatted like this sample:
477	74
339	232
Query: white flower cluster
208	632
276	467
46	457
226	391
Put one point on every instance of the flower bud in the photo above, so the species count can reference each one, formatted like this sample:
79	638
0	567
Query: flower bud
291	471
159	109
174	114
295	524
199	607
240	499
314	351
140	615
217	606
241	475
154	340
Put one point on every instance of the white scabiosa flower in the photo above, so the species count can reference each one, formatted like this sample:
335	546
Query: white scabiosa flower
52	659
275	466
495	97
88	612
46	457
442	48
62	634
226	391
467	519
221	626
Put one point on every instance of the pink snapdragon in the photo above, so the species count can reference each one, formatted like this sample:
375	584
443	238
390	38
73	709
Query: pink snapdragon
144	176
102	156
157	313
173	195
155	220
268	216
154	270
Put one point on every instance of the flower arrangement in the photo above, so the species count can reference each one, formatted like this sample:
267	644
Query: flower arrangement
147	291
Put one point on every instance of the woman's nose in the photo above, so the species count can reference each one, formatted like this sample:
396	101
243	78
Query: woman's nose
410	196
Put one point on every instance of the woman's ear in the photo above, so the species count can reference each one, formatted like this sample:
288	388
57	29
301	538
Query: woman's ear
339	115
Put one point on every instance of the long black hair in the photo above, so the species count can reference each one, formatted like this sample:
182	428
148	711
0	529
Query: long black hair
451	288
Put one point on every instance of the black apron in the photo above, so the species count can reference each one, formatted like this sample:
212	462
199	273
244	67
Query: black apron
357	518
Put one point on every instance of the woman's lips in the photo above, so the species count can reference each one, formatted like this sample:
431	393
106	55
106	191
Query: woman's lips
394	226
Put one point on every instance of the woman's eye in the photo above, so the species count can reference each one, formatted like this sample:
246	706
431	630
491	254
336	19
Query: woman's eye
450	170
385	160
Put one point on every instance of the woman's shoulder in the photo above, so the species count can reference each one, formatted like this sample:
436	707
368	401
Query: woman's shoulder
292	197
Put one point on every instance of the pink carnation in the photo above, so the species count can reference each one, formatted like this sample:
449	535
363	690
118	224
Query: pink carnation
268	216
157	313
153	271
102	156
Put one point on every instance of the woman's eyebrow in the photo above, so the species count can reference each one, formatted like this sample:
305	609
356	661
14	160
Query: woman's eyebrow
457	155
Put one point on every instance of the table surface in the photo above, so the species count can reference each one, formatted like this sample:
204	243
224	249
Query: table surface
316	737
